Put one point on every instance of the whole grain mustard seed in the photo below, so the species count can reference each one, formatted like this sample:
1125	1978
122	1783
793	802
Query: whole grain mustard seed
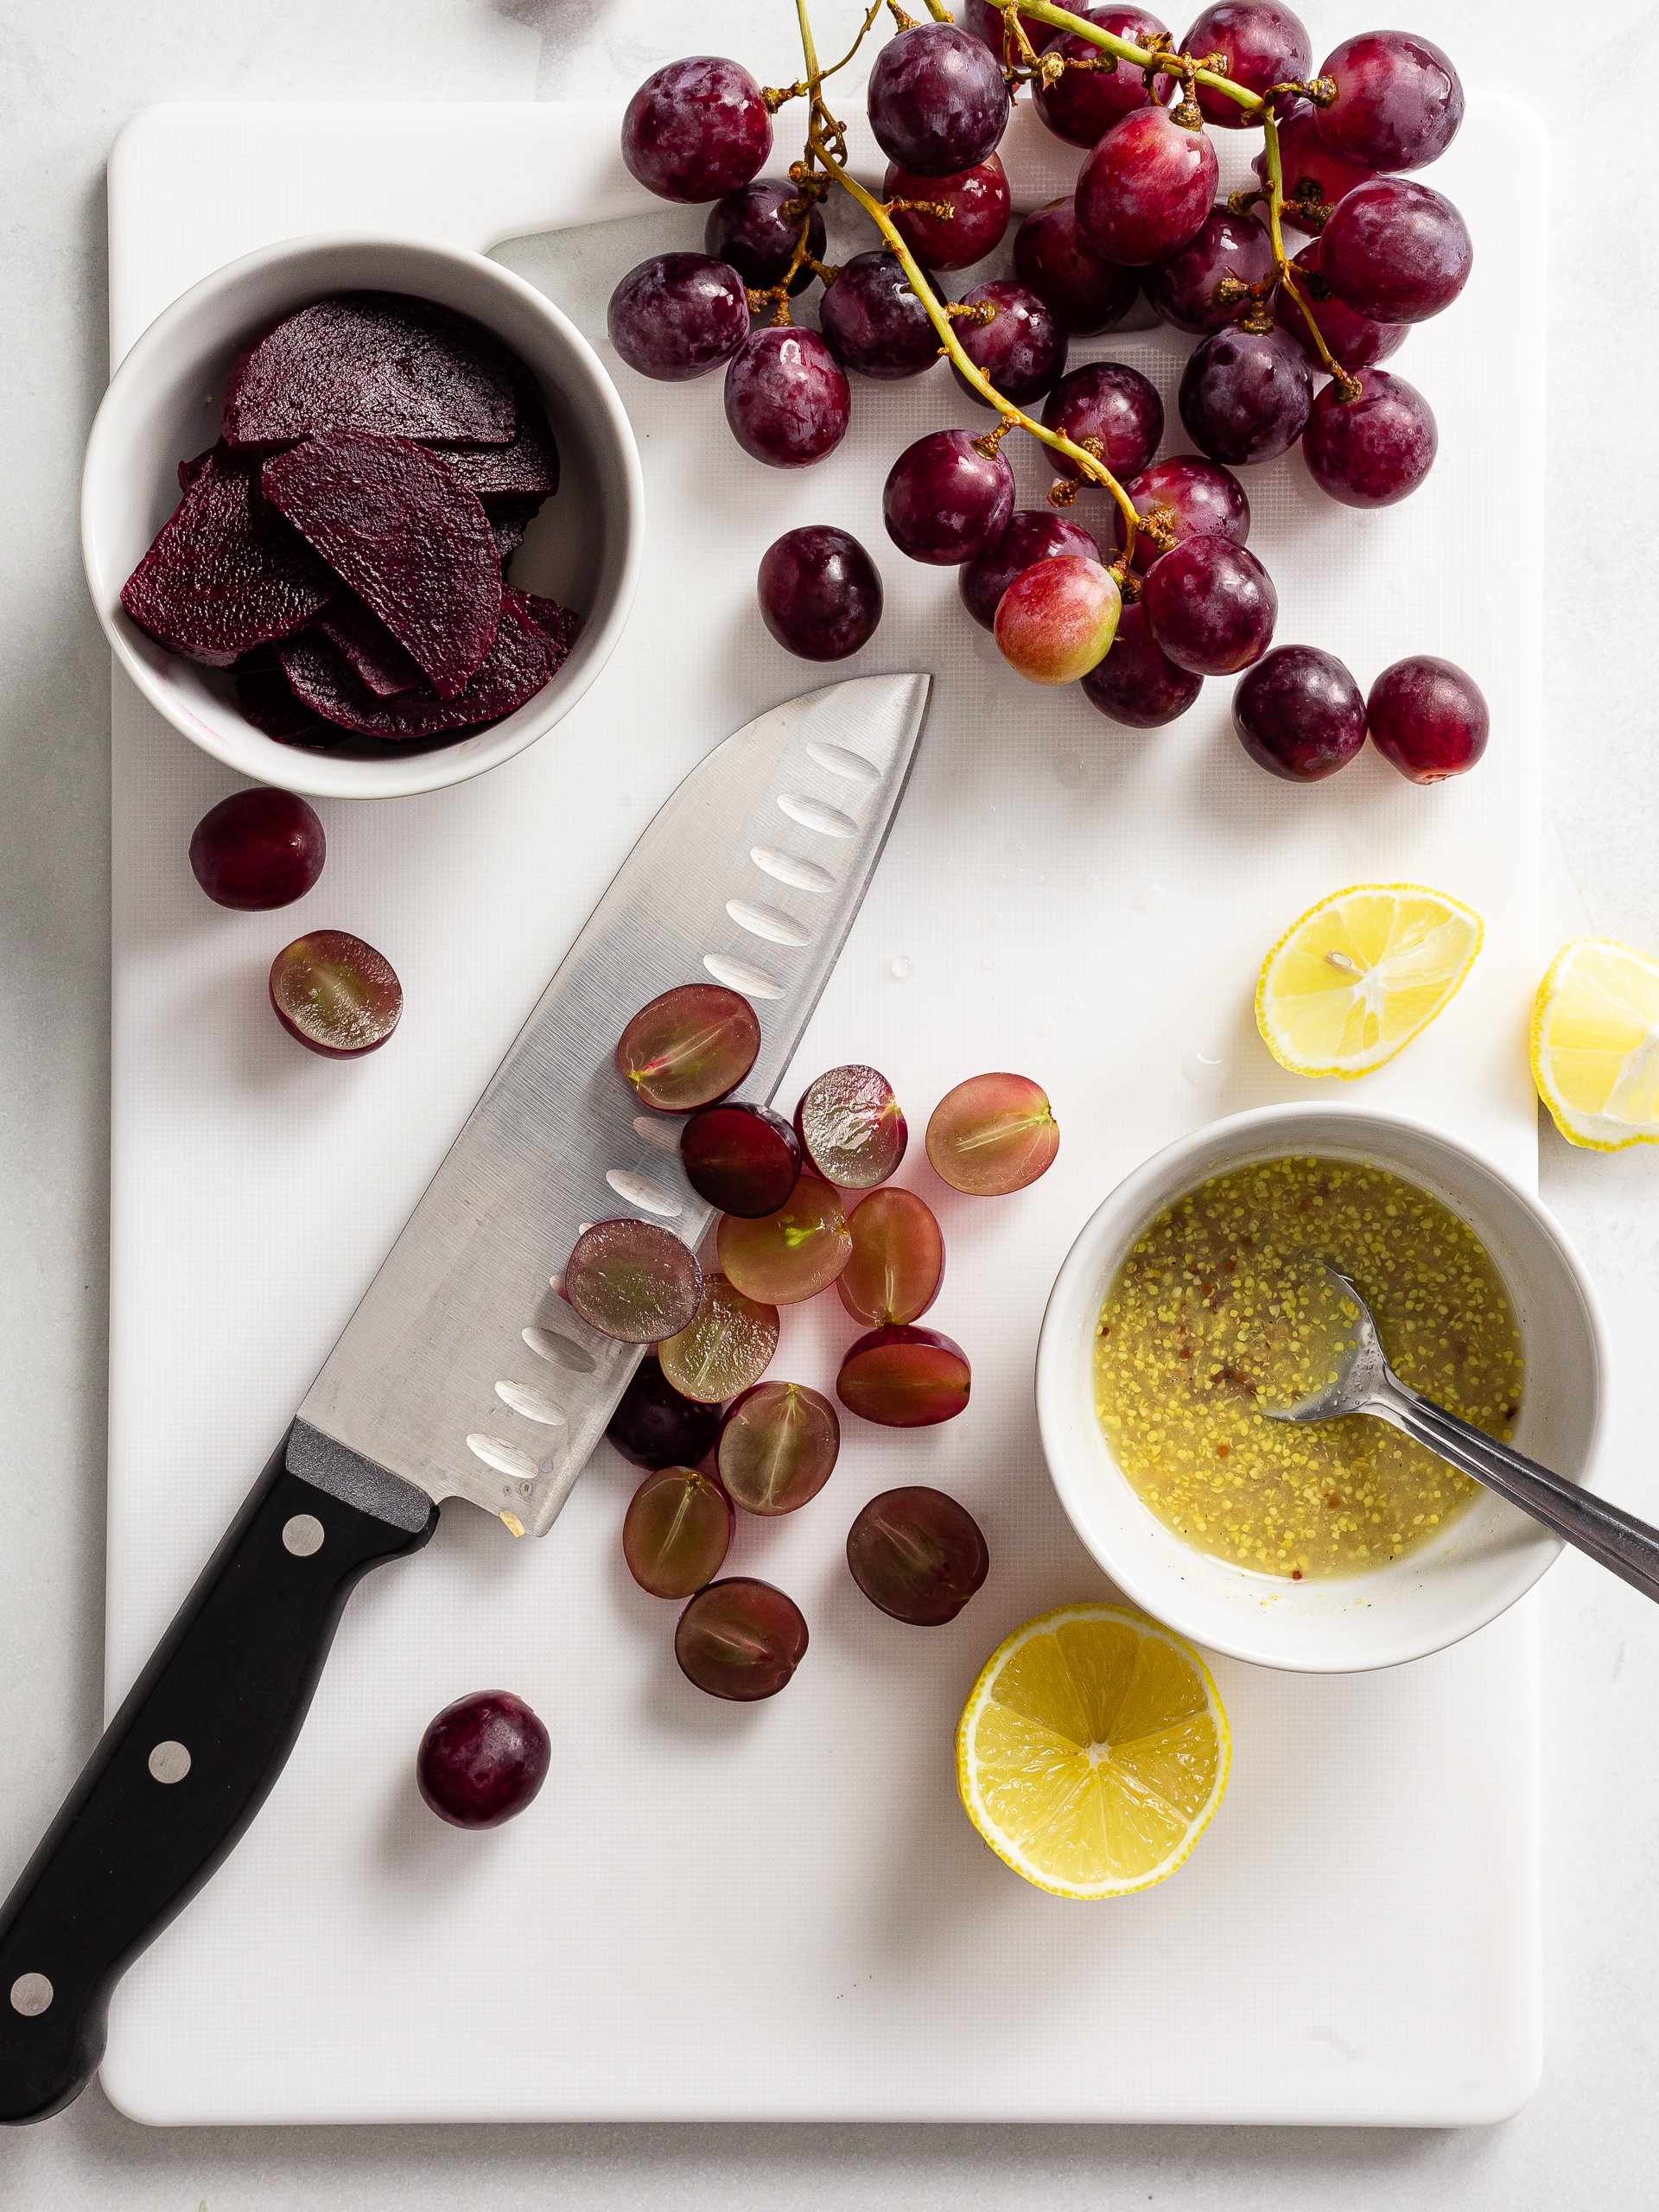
1222	1306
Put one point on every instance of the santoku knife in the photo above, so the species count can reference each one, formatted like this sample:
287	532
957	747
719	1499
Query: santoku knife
462	1373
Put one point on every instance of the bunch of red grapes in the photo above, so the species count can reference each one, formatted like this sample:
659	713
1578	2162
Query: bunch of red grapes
1178	596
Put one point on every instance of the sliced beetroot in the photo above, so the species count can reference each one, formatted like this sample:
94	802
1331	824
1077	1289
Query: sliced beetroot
225	573
516	668
382	362
558	625
375	655
189	470
509	520
266	697
407	535
528	468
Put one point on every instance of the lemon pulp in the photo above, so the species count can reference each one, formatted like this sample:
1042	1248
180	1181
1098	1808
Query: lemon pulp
1360	974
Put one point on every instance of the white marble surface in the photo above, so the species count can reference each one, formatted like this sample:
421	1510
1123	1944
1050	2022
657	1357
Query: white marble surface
68	82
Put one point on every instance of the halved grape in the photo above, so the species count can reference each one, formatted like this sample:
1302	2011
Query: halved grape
778	1447
677	1532
727	1345
792	1254
633	1279
335	994
897	1261
851	1127
657	1425
917	1554
740	1639
742	1159
257	850
689	1048
904	1377
482	1759
992	1135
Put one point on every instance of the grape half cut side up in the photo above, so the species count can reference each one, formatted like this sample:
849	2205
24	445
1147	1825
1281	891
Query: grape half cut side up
482	1759
657	1425
851	1127
689	1048
335	994
778	1445
677	1532
790	1254
727	1344
743	1159
904	1378
917	1556
634	1280
740	1639
992	1135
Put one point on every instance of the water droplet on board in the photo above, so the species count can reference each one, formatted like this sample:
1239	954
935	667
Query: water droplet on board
1148	899
989	961
1070	770
1205	1070
899	968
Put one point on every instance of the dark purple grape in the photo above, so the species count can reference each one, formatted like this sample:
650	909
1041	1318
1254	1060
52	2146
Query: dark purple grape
820	594
917	1556
874	323
1396	252
633	1279
904	1377
744	1160
678	315
1137	683
756	228
1115	403
1210	607
1191	497
335	994
740	1639
1354	339
1245	395
938	103
1184	289
257	850
1398	102
1034	534
482	1759
677	1531
1427	719
1021	349
1146	187
1315	179
1371	451
696	129
979	203
1298	714
779	1445
981	20
787	400
1085	104
1260	44
944	501
851	1127
1052	258
688	1047
654	1426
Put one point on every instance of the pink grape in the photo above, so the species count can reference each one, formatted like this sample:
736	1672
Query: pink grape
978	201
1145	189
1111	402
1354	339
1058	620
1191	497
335	994
1085	103
779	1445
688	1047
787	399
677	1532
944	501
1245	395
820	595
1260	43
992	1135
740	1639
1210	607
1374	450
917	1556
1298	714
1185	287
904	1377
696	129
1427	719
634	1280
678	315
257	850
1137	683
1396	252
1399	101
482	1759
1033	534
937	100
1022	349
898	1262
790	1254
1052	258
851	1128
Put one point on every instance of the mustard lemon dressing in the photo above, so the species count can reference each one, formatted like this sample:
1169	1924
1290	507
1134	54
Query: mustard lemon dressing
1222	1306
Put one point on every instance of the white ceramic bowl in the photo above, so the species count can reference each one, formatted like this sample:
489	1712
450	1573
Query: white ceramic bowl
1488	1556
163	406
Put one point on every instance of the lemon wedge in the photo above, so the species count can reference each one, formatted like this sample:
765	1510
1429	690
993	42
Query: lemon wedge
1595	1044
1356	977
1092	1751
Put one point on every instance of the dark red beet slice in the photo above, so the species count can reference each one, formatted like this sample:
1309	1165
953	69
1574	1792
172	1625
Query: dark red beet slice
509	520
376	656
376	361
225	573
556	624
409	537
266	697
516	670
528	468
189	470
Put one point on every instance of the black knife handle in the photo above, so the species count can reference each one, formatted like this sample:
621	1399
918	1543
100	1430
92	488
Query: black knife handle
179	1773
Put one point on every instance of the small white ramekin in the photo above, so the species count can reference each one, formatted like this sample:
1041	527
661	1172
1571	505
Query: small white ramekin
1487	1557
162	407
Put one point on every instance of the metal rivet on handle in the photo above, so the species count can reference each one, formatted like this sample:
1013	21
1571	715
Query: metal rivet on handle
302	1535
30	1995
170	1762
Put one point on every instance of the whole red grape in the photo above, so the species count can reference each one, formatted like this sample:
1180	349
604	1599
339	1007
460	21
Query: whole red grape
938	101
1192	498
1033	534
1314	177
1058	619
820	594
982	20
1146	187
1396	252
1210	607
482	1759
1371	451
678	315
1021	349
874	323
1185	287
1399	101
756	229
979	202
1298	714
1427	719
696	129
1085	103
1112	402
1052	258
944	501
257	850
1354	339
1245	395
1137	683
787	399
1260	44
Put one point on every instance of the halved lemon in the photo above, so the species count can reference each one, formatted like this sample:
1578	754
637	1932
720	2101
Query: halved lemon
1595	1044
1359	974
1092	1751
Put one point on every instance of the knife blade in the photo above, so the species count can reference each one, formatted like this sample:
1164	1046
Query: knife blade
462	1373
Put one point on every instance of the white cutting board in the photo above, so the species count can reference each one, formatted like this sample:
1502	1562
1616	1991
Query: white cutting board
781	1912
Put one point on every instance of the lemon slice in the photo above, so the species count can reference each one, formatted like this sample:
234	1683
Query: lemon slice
1360	974
1092	1751
1595	1044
